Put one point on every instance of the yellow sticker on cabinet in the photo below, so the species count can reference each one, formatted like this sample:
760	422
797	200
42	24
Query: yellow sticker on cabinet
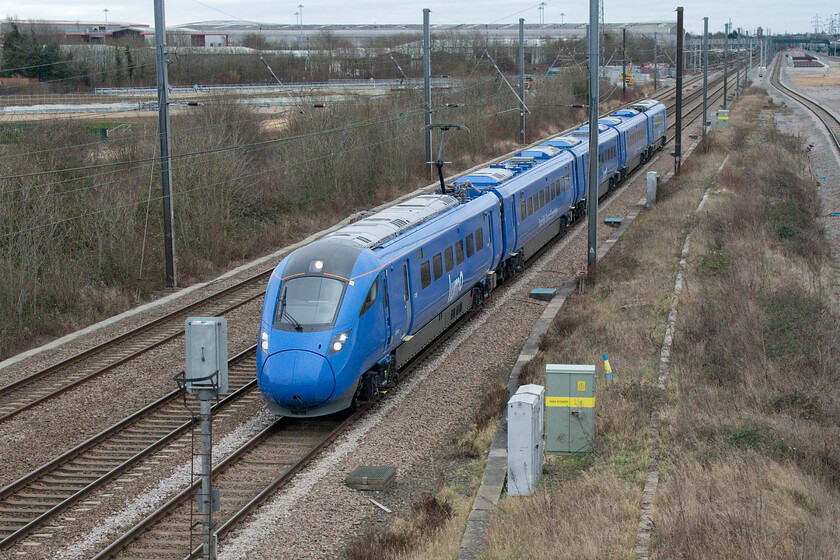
581	386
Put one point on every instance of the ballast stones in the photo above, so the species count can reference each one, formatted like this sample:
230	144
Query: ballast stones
371	477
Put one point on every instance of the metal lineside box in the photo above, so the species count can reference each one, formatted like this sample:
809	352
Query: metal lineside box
569	408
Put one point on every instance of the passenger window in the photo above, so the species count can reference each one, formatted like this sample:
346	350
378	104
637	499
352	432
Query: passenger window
447	259
438	266
546	195
370	299
459	251
522	210
530	206
542	199
470	248
479	239
425	275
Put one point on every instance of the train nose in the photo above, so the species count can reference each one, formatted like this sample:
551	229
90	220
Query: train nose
297	379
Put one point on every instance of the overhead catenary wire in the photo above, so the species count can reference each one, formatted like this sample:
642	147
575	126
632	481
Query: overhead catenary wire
402	114
183	192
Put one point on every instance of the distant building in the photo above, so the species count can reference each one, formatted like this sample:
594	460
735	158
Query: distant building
86	31
361	35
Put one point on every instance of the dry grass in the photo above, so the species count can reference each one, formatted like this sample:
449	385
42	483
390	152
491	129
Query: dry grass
753	440
588	506
750	433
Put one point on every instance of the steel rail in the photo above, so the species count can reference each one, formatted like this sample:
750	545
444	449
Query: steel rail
828	119
159	331
24	509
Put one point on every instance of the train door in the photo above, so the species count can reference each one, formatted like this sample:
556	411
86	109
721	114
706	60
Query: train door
386	302
398	301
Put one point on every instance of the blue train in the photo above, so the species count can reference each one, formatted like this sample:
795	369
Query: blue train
343	314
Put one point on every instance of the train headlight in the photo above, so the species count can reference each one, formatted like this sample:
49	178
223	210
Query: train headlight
339	341
264	341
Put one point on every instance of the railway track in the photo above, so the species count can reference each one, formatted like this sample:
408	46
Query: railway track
829	120
30	501
51	382
245	479
37	497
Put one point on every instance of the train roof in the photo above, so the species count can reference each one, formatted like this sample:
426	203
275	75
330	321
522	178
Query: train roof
584	130
646	105
564	141
540	152
626	113
377	229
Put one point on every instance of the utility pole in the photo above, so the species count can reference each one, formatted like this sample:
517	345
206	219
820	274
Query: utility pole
725	65
427	88
738	67
678	125
623	63
592	193
300	29
165	144
705	72
655	66
522	80
750	49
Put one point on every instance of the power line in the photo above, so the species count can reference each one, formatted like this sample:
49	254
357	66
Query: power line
180	167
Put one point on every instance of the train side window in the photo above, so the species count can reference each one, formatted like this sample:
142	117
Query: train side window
470	247
542	199
522	210
447	259
530	206
545	190
420	253
459	251
479	239
370	299
438	266
425	275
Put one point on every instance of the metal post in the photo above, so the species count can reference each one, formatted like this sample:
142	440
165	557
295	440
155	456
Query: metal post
427	88
522	80
655	67
165	158
623	62
592	193
705	72
206	496
725	65
678	124
738	67
750	50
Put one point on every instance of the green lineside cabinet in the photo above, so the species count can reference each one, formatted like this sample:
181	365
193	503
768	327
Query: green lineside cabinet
569	408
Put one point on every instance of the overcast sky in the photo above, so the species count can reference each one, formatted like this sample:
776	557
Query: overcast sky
777	15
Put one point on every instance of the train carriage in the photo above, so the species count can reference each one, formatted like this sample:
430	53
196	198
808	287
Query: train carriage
657	123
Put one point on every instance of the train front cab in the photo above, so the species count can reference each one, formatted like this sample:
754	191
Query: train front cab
320	328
